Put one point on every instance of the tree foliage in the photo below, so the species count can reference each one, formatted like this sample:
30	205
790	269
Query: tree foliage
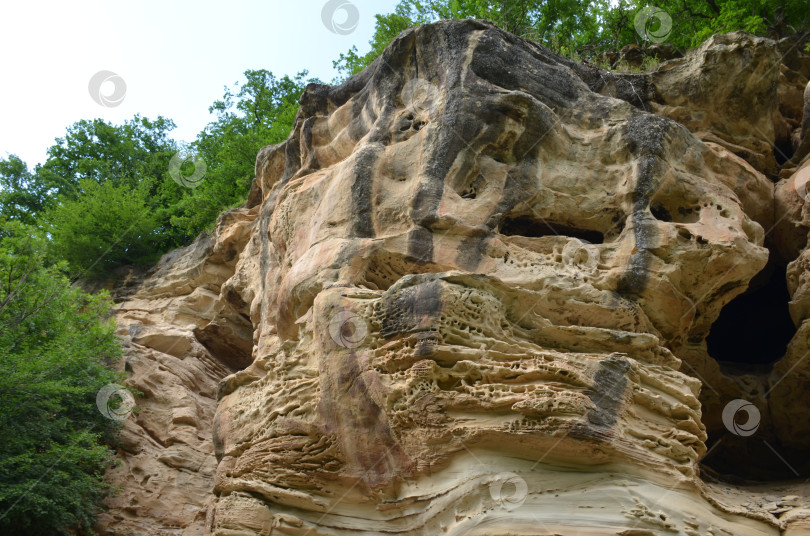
105	193
22	196
125	155
108	225
583	29
259	112
54	357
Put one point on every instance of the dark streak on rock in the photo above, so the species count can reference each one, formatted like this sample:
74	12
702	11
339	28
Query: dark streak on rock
363	172
311	163
609	385
420	246
645	137
349	411
471	251
292	157
411	308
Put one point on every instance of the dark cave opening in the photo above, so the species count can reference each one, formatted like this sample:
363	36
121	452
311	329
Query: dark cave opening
755	327
752	333
538	227
783	150
743	460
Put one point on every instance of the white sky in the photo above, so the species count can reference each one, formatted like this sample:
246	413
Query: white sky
175	56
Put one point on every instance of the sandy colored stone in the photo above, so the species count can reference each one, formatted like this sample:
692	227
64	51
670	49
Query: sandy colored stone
470	295
166	452
447	236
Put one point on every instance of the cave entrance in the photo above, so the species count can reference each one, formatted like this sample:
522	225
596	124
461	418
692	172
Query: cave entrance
752	333
538	227
754	329
751	460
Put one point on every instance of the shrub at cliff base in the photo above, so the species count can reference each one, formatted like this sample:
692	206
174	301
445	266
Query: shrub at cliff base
55	345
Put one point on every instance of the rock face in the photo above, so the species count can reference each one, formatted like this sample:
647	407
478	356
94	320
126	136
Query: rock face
470	294
181	339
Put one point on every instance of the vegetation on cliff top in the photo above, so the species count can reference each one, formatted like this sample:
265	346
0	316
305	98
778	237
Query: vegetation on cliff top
585	30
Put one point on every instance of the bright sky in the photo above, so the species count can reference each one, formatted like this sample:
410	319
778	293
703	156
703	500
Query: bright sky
175	57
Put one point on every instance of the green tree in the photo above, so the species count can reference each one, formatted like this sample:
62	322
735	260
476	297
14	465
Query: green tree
108	225
108	195
126	154
22	195
55	348
585	29
259	112
693	22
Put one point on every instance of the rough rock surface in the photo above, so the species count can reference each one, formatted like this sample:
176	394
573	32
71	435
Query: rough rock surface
166	452
470	295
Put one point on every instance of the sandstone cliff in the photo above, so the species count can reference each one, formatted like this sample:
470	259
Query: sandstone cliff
471	294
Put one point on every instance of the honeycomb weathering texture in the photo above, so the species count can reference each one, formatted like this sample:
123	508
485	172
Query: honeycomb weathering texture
470	295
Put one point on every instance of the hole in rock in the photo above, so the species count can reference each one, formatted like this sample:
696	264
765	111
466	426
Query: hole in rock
755	327
660	213
537	227
229	339
782	150
752	332
674	213
742	460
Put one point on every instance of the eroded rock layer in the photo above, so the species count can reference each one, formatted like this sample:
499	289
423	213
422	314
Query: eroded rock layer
470	295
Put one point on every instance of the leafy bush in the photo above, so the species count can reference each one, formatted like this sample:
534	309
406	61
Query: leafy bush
107	226
54	350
